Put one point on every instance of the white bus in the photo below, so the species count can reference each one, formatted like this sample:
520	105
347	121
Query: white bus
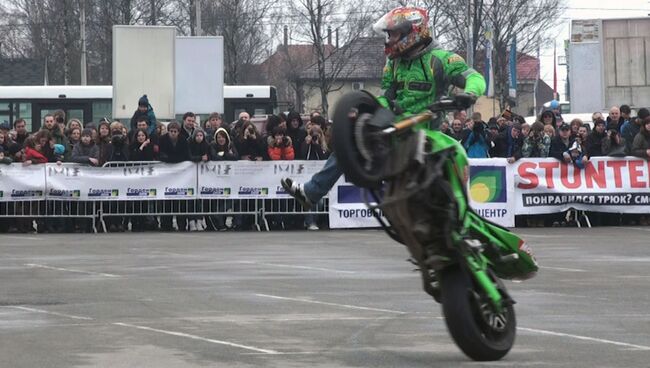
92	103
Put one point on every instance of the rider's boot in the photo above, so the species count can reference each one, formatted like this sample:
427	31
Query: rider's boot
297	191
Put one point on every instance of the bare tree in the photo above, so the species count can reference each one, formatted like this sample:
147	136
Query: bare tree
241	23
530	21
351	19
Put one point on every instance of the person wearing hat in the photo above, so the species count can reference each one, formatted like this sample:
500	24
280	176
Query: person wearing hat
144	109
86	151
614	143
509	143
561	143
576	154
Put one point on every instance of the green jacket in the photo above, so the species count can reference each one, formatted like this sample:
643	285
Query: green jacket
419	82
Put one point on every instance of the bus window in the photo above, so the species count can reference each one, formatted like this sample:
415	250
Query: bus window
23	110
5	112
103	109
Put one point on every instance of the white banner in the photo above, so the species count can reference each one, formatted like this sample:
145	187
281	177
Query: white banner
491	192
347	208
155	181
251	179
605	184
22	183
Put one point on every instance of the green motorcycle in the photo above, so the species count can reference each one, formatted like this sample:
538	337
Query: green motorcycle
414	180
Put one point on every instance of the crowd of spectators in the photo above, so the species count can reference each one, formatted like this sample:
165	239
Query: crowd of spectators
284	137
509	136
287	137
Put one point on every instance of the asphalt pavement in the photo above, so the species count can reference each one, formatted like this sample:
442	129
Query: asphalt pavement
304	299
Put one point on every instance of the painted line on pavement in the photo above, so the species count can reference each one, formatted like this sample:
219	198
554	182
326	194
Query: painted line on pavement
331	304
585	338
198	338
562	269
35	265
48	312
20	237
296	267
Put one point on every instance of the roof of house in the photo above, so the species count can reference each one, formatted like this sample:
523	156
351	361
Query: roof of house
22	72
363	58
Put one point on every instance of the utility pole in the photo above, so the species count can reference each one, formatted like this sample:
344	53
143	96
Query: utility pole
470	37
82	12
153	12
197	5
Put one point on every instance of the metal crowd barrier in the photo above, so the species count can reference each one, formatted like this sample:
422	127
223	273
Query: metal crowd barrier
99	212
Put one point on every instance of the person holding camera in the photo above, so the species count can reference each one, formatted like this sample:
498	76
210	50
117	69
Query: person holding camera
118	150
614	144
280	146
477	143
536	144
249	144
314	147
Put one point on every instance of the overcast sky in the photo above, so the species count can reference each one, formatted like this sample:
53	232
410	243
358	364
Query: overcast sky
587	9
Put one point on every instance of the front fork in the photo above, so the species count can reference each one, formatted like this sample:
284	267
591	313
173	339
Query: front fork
471	250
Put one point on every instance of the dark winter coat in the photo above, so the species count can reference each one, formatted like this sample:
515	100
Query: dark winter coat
226	152
82	153
173	152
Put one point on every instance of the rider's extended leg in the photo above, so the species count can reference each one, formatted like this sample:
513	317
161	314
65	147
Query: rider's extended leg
317	187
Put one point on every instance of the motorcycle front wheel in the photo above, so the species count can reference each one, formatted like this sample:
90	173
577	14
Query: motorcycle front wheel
480	332
352	139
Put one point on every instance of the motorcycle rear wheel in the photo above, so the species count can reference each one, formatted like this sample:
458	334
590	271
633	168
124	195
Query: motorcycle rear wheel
479	332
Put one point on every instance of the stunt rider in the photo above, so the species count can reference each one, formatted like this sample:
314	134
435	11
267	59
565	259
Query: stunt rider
416	75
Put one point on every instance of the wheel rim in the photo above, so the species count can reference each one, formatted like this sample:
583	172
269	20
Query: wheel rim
368	142
493	324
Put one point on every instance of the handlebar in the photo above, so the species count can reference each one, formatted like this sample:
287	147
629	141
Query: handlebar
458	102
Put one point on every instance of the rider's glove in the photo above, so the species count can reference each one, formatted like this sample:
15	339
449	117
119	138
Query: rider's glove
465	100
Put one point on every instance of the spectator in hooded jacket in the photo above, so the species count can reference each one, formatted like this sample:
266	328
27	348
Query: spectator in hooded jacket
144	109
641	144
222	148
86	151
280	146
509	143
198	145
633	127
173	149
296	132
141	147
249	143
